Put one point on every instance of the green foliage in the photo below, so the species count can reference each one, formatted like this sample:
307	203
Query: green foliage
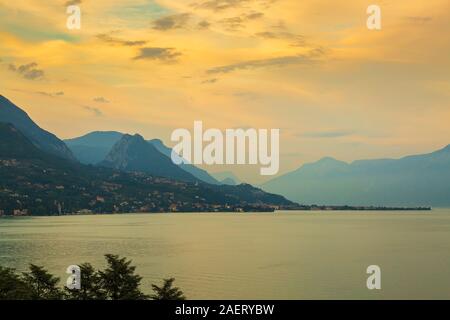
91	285
167	291
42	284
118	281
12	287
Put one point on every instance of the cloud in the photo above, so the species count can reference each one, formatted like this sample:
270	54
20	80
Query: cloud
419	19
100	100
51	94
232	23
203	24
295	39
221	5
175	21
28	71
237	22
97	112
327	134
73	2
155	53
308	58
253	15
116	41
218	5
210	81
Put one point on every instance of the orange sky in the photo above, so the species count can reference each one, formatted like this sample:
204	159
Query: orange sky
309	68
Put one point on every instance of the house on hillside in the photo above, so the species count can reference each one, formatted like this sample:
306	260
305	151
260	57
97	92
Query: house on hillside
20	212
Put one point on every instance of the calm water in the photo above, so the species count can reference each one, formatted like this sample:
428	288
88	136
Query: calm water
295	255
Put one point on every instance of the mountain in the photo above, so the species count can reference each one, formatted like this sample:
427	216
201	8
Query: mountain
10	113
41	183
196	172
419	180
227	177
13	144
133	153
93	147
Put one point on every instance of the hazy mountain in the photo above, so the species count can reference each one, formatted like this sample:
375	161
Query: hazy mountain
45	184
13	144
410	181
226	177
133	153
93	147
196	172
10	113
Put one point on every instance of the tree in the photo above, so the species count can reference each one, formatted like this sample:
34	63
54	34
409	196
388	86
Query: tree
91	285
42	284
119	280
12	287
167	292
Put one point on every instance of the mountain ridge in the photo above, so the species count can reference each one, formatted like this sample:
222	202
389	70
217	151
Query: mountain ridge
414	180
44	140
93	147
134	153
195	171
34	182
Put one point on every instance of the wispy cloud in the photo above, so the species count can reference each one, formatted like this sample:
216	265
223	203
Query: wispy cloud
116	41
210	81
29	71
101	100
51	94
305	59
219	5
295	39
95	111
419	19
203	24
238	22
73	2
175	21
155	53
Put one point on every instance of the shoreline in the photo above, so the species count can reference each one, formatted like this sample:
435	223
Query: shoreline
313	208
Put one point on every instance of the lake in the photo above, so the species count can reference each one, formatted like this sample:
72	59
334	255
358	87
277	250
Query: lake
283	255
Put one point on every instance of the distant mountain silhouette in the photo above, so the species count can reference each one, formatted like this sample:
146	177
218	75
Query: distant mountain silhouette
93	148
133	153
227	177
10	113
410	181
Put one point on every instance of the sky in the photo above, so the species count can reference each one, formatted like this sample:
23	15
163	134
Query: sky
309	68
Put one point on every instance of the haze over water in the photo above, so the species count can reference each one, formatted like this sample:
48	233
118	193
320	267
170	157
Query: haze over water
286	255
